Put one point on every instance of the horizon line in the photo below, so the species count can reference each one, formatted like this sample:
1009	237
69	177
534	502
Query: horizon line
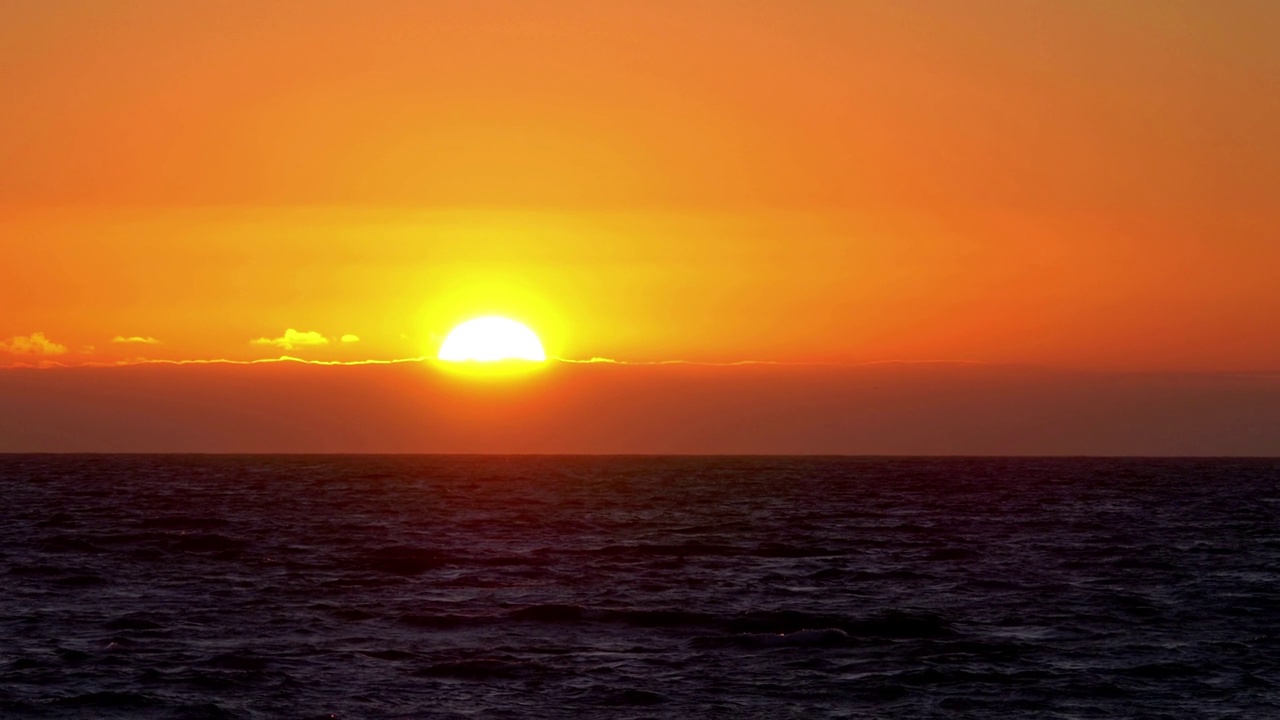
49	365
868	456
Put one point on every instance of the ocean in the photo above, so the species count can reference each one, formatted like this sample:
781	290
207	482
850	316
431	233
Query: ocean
638	587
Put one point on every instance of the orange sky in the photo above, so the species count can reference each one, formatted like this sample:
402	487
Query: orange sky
1084	185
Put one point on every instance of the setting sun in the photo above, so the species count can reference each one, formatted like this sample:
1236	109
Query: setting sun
469	357
491	339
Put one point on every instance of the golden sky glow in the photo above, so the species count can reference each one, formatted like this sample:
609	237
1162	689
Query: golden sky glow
1084	185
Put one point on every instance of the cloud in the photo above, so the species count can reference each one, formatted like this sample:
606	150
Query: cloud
350	338
292	338
135	340
592	361
34	344
728	363
885	409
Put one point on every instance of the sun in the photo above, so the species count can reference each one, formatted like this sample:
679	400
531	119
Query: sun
491	339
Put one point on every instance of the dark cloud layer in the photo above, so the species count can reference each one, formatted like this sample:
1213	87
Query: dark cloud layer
412	408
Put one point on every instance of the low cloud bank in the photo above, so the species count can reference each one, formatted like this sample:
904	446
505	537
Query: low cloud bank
610	408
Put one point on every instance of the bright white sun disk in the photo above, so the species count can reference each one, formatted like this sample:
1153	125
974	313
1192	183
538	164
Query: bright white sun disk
491	339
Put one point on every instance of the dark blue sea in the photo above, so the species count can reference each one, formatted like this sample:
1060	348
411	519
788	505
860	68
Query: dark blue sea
638	587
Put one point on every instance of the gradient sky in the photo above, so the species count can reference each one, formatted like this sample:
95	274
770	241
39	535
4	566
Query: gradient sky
1084	187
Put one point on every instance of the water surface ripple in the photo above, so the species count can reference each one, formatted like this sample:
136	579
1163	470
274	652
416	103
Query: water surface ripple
491	587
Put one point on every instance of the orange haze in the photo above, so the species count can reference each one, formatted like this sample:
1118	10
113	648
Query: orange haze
1087	186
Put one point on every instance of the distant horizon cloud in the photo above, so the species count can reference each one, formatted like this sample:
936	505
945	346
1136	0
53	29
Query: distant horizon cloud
348	338
293	339
296	405
34	344
597	360
135	340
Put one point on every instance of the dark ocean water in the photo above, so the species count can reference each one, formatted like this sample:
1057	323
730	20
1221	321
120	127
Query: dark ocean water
549	587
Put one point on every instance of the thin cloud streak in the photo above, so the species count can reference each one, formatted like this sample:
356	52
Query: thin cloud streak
611	361
48	365
392	361
55	364
777	363
395	361
263	361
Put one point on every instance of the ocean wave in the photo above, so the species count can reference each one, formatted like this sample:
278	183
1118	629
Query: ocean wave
892	624
107	700
168	588
183	522
480	669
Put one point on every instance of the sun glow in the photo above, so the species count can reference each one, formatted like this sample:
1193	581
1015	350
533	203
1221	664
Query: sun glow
491	339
